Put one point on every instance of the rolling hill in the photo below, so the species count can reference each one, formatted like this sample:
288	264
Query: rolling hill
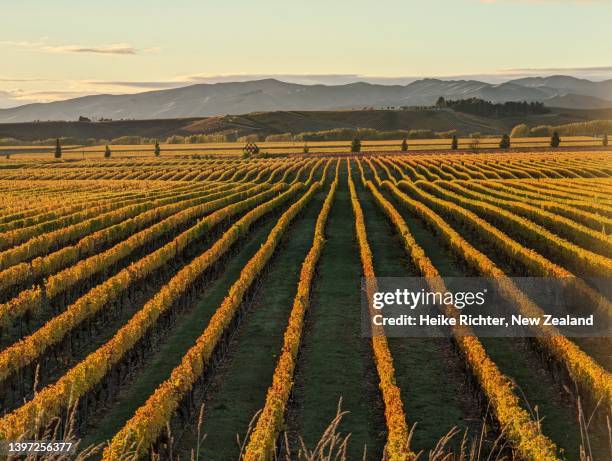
267	123
268	95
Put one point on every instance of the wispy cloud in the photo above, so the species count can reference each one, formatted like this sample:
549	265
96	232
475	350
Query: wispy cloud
303	79
113	49
23	80
548	2
18	97
108	49
138	84
594	73
7	99
563	69
494	76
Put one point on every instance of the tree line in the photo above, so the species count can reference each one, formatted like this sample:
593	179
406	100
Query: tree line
252	149
477	106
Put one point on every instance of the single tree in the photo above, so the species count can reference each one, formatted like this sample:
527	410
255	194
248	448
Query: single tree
504	143
604	142
455	143
58	149
356	145
107	152
555	140
157	149
404	145
306	148
441	102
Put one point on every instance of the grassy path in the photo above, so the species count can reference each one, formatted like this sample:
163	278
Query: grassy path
511	355
335	362
420	362
239	386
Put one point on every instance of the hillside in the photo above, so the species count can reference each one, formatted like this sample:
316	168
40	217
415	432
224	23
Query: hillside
267	123
269	95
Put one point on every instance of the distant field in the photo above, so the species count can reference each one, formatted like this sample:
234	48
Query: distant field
264	124
279	148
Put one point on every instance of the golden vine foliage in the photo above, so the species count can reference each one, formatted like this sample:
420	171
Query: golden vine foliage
396	447
31	347
151	418
519	427
590	375
262	441
31	299
55	217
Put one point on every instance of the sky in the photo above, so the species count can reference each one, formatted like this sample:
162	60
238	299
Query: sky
62	49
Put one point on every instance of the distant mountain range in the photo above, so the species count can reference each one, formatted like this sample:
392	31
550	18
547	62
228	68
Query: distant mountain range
273	95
